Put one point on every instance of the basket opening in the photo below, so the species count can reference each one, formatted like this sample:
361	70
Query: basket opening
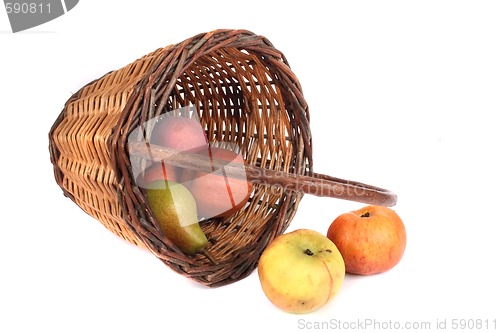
238	103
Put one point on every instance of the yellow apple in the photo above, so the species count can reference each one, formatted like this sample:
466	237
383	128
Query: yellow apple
301	271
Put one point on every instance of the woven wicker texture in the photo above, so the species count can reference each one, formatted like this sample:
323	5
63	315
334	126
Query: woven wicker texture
244	93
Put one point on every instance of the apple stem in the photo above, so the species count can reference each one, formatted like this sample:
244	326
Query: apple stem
308	252
367	214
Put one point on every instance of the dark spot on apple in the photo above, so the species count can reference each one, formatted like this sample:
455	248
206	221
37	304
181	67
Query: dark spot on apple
308	252
367	214
328	250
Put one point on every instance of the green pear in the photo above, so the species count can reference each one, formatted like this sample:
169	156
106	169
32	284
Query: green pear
175	210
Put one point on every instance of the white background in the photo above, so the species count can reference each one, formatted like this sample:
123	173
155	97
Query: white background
402	94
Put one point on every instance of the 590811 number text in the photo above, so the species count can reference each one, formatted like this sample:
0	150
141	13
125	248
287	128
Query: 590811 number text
27	8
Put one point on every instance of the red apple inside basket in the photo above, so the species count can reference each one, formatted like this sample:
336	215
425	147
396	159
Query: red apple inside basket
216	193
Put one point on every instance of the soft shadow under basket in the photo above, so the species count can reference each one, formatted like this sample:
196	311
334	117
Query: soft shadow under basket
244	93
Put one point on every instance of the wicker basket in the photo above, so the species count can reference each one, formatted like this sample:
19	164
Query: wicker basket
244	93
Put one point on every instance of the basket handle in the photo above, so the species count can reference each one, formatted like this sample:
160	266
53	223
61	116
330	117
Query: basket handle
316	184
325	186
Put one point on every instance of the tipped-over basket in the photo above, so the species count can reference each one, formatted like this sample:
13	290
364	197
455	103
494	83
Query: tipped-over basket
245	94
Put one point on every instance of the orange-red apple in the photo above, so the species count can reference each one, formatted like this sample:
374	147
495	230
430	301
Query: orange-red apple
216	194
371	240
178	133
158	171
